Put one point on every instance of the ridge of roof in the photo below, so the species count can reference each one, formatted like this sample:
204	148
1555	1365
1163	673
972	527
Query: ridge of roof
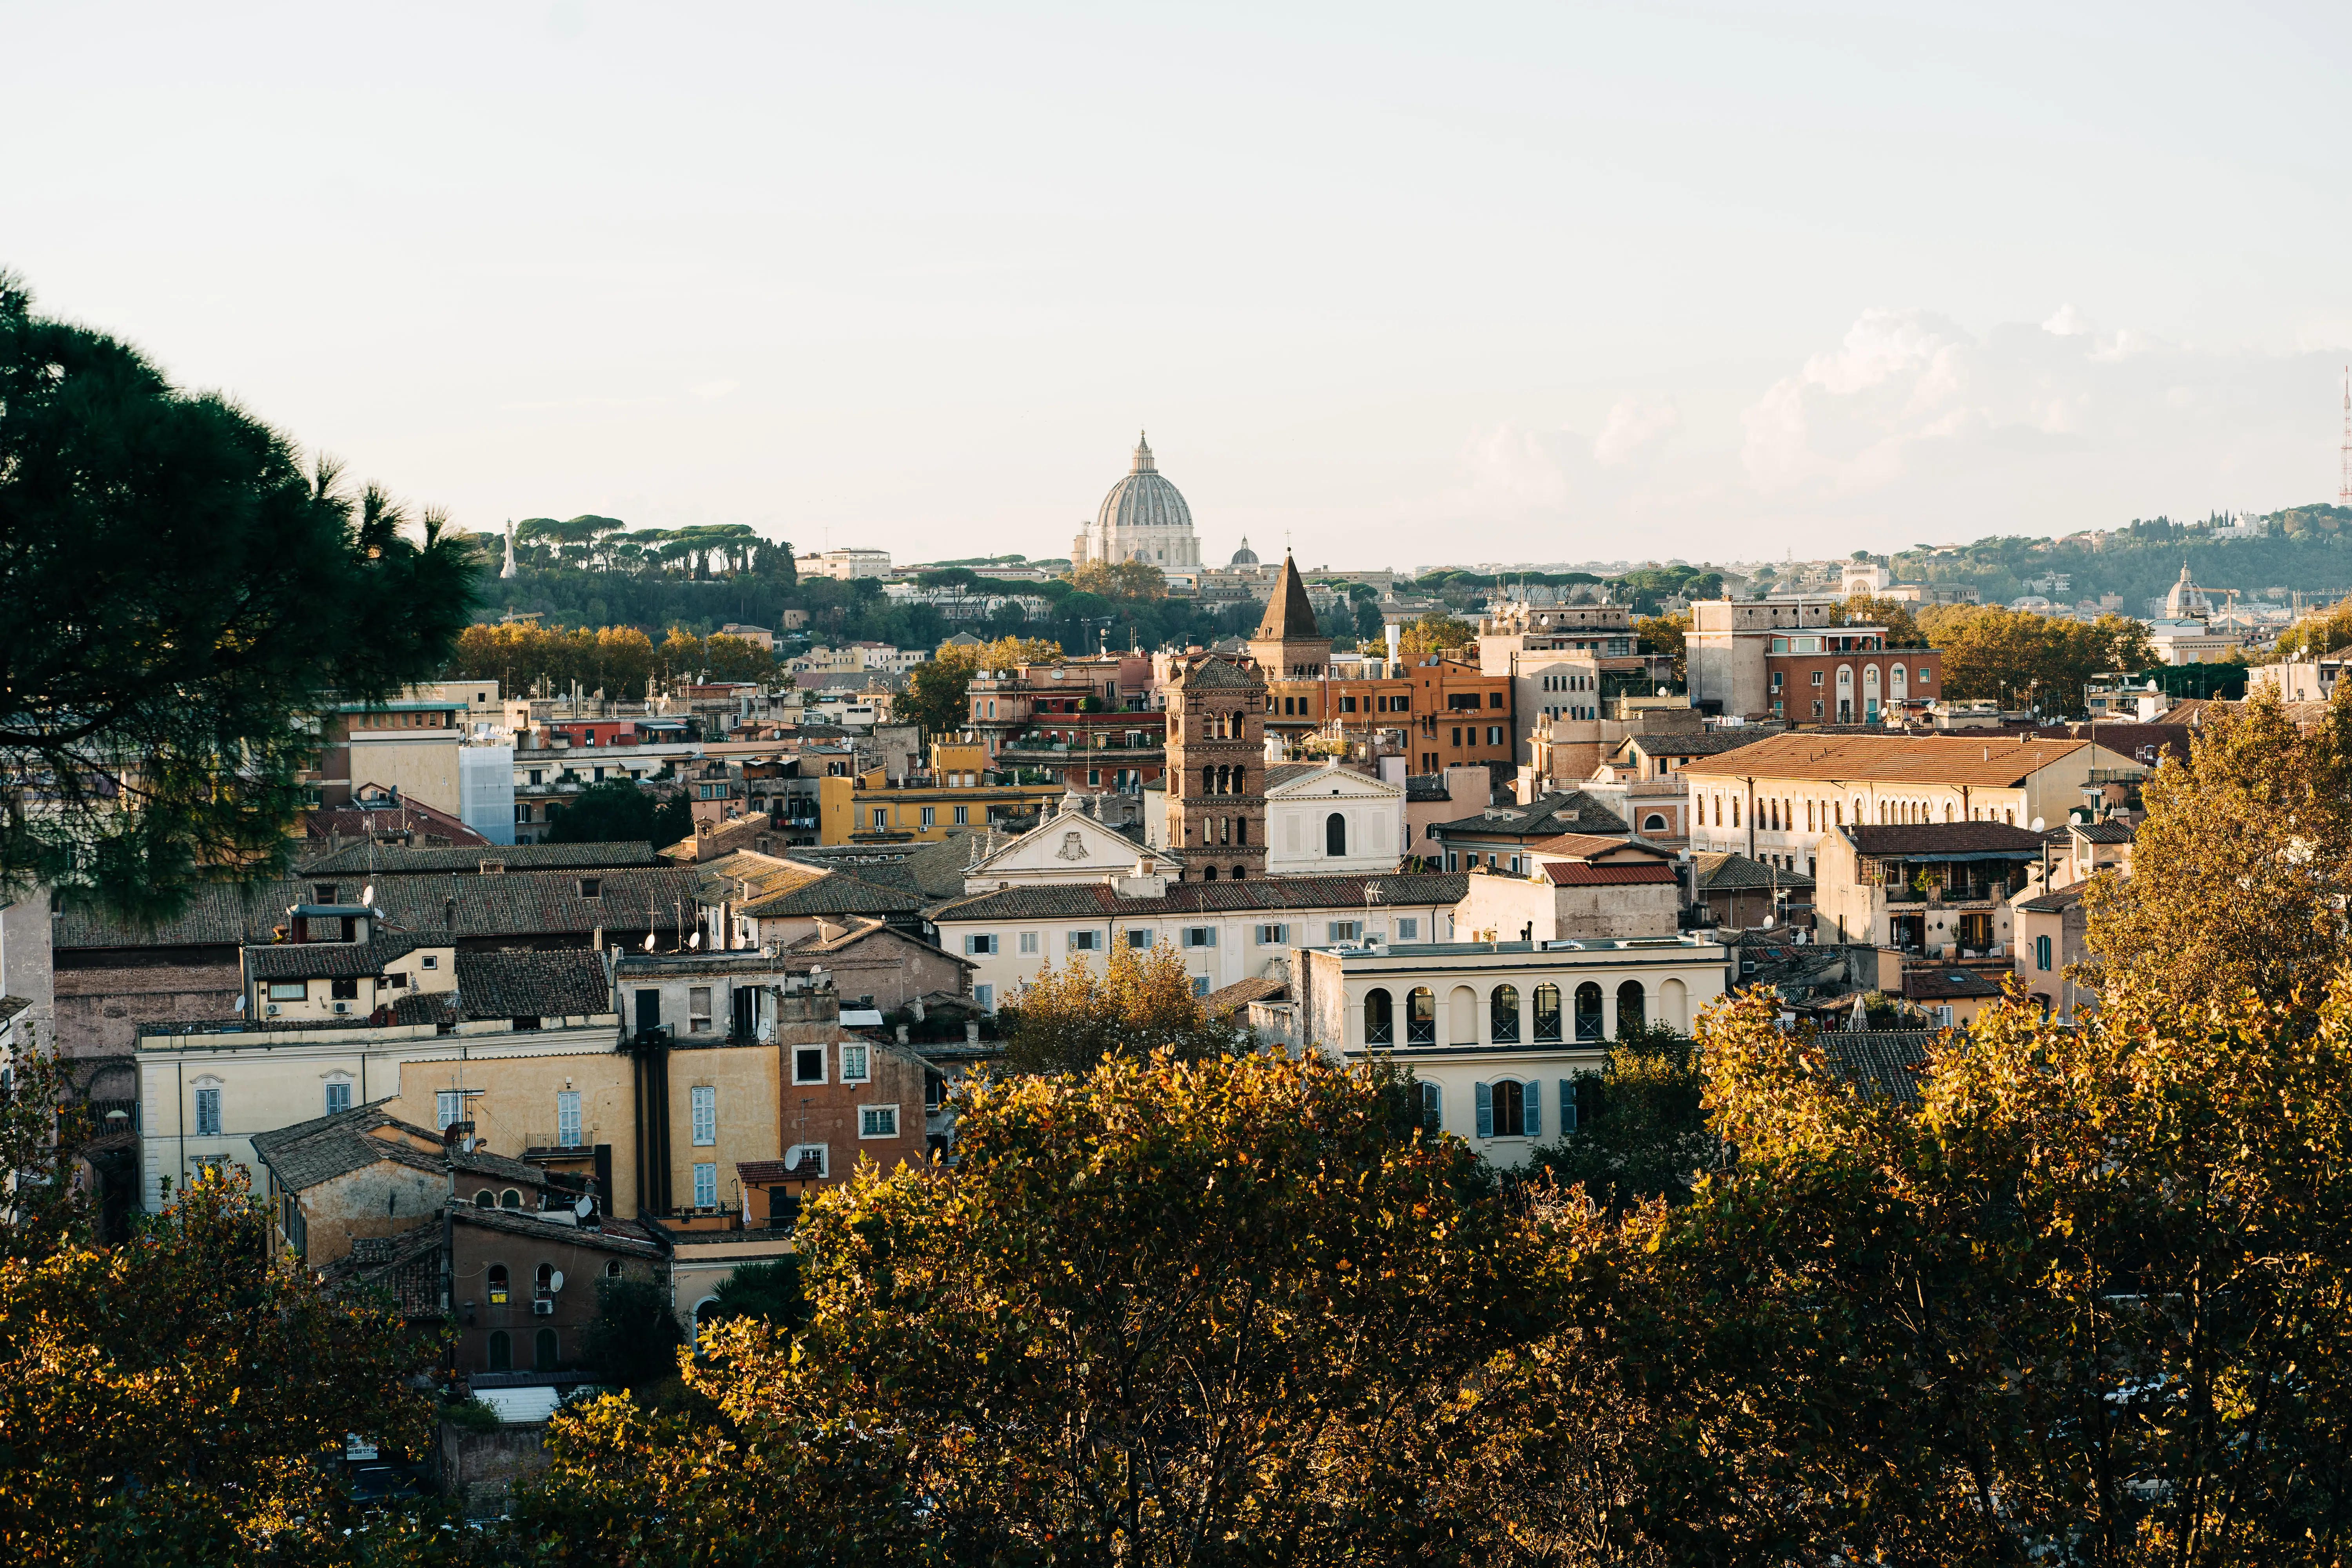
1892	759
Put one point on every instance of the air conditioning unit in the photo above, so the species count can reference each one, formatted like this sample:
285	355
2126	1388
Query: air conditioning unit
542	1309
273	1010
342	1006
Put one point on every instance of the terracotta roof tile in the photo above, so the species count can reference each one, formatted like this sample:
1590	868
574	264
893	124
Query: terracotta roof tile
1888	759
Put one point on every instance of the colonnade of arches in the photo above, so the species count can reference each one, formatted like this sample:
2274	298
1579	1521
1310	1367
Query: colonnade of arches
1588	1014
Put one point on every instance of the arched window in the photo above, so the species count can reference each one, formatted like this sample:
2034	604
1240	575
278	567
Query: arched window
485	1199
1503	1015
2009	817
1421	1017
1241	871
511	1199
2042	952
1210	874
1718	811
1948	811
1379	1025
1841	814
546	1280
1335	835
497	1284
1241	784
612	1269
1653	822
1547	1014
501	1351
1629	1006
1208	780
1588	1011
544	1349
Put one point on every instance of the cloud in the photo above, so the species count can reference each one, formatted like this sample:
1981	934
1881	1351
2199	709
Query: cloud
1633	424
2068	322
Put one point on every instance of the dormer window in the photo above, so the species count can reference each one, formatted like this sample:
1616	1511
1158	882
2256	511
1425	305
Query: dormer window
592	887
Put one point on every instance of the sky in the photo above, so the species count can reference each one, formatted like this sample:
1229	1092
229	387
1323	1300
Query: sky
1396	285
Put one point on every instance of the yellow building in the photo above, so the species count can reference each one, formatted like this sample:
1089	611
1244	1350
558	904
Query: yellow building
867	808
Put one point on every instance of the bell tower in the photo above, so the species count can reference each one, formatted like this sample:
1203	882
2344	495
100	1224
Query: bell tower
1216	768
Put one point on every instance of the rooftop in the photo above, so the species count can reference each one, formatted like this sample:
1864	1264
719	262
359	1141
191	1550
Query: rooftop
1080	901
1944	840
1889	759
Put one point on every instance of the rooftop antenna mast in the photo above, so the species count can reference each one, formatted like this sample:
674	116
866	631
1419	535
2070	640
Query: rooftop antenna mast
2343	484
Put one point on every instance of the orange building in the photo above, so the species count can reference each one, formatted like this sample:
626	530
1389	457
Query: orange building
1440	714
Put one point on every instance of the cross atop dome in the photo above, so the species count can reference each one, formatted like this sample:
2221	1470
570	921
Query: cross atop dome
1143	456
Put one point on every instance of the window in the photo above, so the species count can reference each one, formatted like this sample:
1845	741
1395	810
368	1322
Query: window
485	1199
497	1284
501	1350
1433	1108
1379	1024
1817	678
706	1186
808	1065
1926	675
1200	985
705	1099
853	1064
1588	1011
985	995
430	961
1493	699
1085	940
1028	942
448	1105
1494	734
1335	835
930	817
343	990
592	887
339	1091
511	1199
1200	936
1547	1014
1408	929
1508	1108
1343	931
698	1010
567	1119
980	946
1139	938
544	1349
818	1153
2042	952
1457	735
1503	1015
877	1121
208	1122
1629	1006
288	990
1421	1017
1272	935
881	816
963	815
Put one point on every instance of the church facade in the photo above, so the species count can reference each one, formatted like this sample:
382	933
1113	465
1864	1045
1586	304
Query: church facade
1143	518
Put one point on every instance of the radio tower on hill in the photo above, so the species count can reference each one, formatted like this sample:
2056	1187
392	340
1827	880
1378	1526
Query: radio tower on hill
2343	484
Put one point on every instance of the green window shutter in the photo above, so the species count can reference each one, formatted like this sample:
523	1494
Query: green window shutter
1534	1119
1567	1106
1485	1111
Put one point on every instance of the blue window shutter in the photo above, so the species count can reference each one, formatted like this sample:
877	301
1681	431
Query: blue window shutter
1432	1107
1567	1106
1534	1108
1485	1111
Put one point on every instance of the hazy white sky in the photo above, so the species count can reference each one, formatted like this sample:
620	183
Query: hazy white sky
1421	284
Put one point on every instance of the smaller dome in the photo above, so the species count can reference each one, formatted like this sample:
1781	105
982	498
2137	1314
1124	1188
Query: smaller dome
1245	556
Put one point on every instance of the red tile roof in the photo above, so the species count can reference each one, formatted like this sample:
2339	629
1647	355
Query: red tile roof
1608	874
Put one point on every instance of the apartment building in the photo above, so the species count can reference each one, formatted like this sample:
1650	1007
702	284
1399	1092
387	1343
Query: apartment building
1776	799
1496	1033
1226	931
1791	660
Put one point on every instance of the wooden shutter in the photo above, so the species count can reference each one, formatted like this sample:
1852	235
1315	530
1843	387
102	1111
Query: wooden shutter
1485	1111
1532	1123
1567	1106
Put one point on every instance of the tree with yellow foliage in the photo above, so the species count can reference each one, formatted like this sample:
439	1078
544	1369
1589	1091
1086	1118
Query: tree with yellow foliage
1138	1003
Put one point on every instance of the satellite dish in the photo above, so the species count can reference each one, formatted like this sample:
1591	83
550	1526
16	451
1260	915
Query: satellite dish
240	1001
1770	922
2037	825
368	897
2151	683
555	1280
649	942
694	941
584	1207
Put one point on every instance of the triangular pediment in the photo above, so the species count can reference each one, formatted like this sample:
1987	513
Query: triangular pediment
1069	848
1294	782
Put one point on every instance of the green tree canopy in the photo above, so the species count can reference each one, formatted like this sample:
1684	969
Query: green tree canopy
619	811
178	598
